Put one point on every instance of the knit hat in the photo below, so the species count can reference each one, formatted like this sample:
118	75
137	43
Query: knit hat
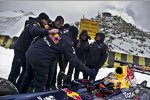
74	31
59	18
66	26
84	33
43	16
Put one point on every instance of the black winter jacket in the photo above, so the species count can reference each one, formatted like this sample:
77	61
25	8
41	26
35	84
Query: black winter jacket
45	48
32	29
82	49
97	55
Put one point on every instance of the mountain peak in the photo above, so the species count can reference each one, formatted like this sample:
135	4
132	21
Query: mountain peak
122	36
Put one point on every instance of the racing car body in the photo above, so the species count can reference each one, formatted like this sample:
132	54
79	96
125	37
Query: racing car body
115	86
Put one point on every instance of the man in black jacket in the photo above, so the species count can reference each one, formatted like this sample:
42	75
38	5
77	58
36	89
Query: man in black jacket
33	27
59	21
97	54
82	48
41	54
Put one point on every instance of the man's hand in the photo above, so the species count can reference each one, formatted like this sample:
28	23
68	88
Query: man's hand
53	31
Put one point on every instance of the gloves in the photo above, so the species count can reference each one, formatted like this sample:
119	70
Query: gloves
67	79
53	31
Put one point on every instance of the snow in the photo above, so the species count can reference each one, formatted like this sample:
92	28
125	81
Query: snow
6	57
17	29
11	23
125	44
9	13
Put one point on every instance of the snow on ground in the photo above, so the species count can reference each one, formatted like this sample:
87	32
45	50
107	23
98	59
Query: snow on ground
6	57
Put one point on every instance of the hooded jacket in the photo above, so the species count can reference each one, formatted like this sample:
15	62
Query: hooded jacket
97	54
82	47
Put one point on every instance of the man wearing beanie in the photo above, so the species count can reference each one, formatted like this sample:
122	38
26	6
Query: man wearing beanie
58	18
43	16
58	23
97	54
33	27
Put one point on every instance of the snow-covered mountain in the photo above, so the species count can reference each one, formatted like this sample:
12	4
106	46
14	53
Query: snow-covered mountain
121	36
12	22
124	37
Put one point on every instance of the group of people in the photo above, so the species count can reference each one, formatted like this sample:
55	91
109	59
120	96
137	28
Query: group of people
43	44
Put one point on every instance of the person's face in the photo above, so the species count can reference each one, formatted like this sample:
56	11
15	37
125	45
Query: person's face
59	23
83	37
45	22
98	37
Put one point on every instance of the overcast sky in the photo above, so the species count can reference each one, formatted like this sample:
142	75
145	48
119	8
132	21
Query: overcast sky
135	12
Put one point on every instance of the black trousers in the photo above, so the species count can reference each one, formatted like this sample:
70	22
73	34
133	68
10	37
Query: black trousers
38	72
27	79
52	74
62	65
53	71
19	61
69	73
76	74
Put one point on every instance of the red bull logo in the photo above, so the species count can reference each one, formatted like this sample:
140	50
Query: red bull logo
130	74
55	38
72	94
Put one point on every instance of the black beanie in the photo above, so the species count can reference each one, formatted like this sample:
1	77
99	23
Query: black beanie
73	30
43	16
59	18
66	26
85	33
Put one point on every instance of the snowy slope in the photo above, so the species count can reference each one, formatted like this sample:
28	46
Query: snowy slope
12	23
7	14
131	46
126	38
